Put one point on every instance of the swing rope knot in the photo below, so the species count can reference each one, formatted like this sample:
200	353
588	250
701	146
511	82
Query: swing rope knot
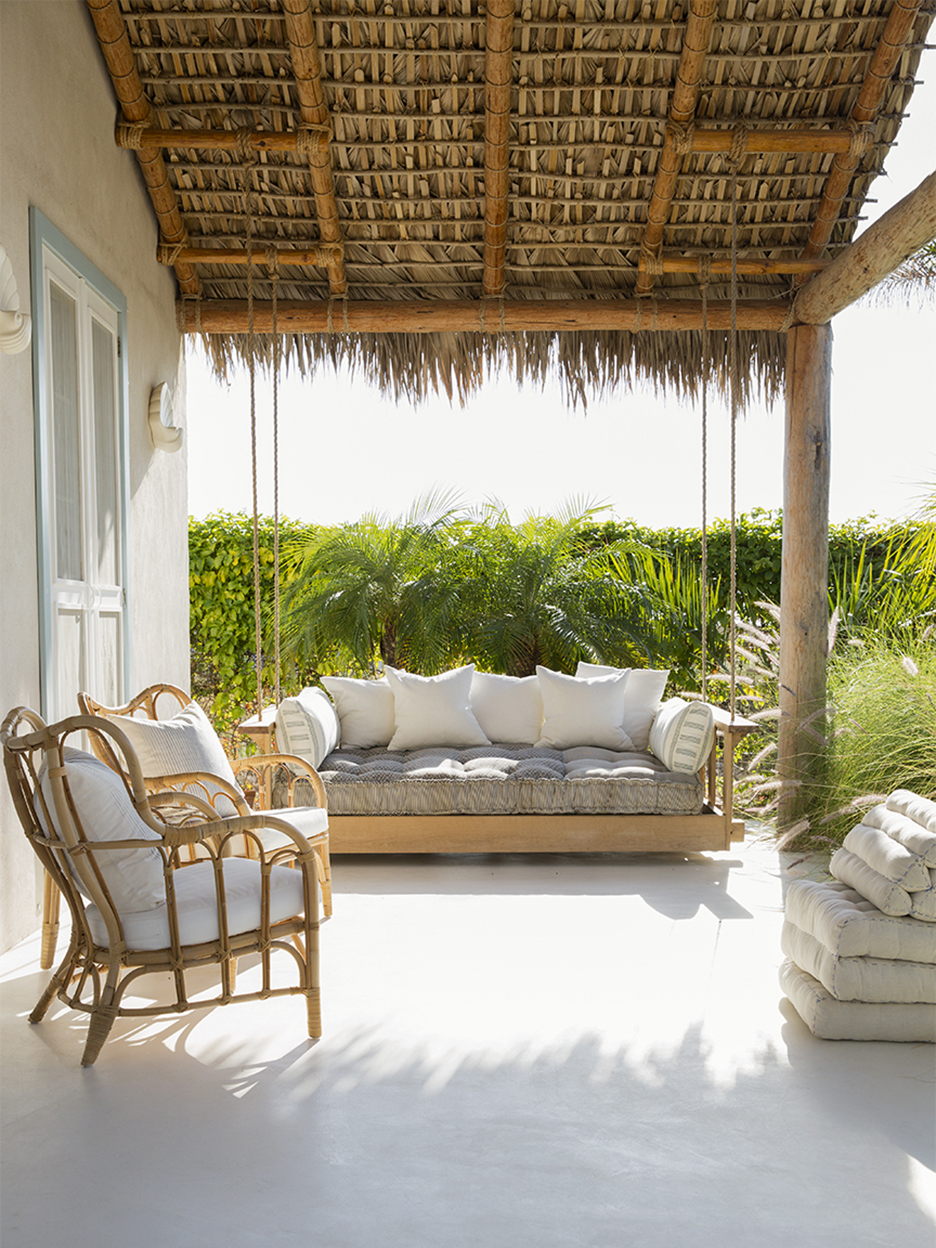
129	134
862	136
312	140
271	255
705	269
738	145
247	154
681	135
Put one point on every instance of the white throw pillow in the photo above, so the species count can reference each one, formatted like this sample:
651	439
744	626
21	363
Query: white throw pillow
307	725
134	877
365	710
508	708
185	742
434	710
581	710
682	734
641	699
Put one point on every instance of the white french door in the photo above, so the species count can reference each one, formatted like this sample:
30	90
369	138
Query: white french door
81	505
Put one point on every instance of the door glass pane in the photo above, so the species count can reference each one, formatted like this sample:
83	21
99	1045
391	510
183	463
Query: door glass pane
103	364
109	660
71	673
66	453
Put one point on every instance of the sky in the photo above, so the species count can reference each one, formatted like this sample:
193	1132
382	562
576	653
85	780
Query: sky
345	450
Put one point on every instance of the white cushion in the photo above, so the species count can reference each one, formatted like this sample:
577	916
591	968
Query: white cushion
892	898
434	710
197	905
851	926
134	877
185	742
906	818
365	710
859	979
582	710
641	698
508	708
682	734
307	725
888	857
854	1020
308	821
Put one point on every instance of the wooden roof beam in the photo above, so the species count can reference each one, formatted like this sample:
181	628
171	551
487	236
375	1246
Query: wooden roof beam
700	25
366	316
902	230
121	65
304	53
897	31
758	141
498	78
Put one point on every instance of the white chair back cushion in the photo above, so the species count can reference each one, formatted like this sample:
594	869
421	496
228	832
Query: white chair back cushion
197	905
134	877
185	742
308	725
508	708
682	734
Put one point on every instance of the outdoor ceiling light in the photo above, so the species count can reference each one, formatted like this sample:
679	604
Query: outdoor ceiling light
166	437
15	326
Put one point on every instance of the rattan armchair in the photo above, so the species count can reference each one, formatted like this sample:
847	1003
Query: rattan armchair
158	703
137	906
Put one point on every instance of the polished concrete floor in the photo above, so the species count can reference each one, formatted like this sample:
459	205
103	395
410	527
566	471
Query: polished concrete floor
519	1052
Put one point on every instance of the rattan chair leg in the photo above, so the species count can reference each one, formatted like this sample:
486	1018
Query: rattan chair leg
50	923
48	996
314	1011
102	1020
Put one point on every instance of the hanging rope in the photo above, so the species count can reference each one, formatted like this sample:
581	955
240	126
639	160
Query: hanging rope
273	267
248	156
705	272
737	155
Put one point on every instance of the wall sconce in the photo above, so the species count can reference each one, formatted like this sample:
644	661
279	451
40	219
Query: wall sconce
15	326
166	437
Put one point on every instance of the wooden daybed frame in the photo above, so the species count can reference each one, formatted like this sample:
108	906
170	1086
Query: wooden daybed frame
714	828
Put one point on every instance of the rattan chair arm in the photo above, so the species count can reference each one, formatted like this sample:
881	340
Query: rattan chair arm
208	780
264	764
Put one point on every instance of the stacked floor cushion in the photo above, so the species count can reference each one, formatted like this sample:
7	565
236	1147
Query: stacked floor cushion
861	950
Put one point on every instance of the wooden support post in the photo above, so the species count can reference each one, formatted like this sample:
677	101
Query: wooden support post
804	611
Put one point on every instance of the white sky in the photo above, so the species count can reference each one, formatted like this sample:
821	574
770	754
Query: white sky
345	450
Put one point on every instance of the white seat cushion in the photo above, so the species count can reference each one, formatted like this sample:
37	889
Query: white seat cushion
855	1020
851	926
197	905
185	742
308	821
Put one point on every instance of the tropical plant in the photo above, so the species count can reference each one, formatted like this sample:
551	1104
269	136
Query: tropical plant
914	280
378	588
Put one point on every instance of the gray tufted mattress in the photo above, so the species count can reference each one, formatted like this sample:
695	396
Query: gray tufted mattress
502	780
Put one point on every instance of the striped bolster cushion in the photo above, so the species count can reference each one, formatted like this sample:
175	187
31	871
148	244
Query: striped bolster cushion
307	725
682	734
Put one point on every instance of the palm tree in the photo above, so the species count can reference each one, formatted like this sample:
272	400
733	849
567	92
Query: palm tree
531	594
375	588
915	277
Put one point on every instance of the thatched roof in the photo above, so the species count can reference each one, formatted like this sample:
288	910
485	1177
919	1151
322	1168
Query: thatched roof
535	183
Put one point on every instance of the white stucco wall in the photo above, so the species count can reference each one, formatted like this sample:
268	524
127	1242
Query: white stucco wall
57	153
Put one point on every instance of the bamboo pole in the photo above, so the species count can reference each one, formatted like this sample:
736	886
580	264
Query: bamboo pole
121	65
804	609
864	113
699	27
901	231
298	257
229	316
498	73
300	34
